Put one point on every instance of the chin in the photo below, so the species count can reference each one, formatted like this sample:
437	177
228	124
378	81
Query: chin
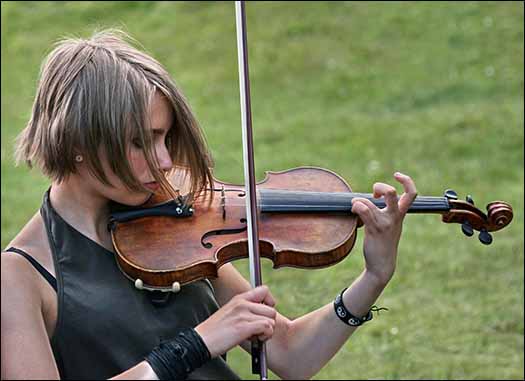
136	199
142	199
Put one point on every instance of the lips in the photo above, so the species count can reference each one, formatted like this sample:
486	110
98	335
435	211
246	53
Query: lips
152	185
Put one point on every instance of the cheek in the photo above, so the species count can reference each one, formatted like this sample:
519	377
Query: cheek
138	164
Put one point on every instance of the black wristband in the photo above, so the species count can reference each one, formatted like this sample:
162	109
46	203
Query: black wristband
347	317
176	358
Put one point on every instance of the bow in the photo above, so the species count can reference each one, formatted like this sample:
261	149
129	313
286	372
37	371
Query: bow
259	365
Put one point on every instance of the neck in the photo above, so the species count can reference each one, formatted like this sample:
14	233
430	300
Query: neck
272	200
82	208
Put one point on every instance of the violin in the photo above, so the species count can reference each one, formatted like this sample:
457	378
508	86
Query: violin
305	221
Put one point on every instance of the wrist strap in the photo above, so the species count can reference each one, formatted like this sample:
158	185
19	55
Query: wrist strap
176	358
347	317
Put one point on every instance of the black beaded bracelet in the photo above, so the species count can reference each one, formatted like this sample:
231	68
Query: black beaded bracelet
347	317
176	358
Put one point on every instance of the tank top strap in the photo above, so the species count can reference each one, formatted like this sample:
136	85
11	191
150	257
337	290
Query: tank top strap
38	267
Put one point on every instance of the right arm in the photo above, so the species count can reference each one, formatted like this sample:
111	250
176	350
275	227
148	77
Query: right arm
26	350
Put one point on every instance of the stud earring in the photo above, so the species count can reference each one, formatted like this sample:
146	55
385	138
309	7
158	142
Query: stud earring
79	158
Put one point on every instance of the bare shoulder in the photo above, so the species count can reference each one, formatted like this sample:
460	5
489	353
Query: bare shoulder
20	279
20	290
33	240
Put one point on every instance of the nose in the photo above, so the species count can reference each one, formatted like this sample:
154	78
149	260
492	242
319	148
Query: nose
164	158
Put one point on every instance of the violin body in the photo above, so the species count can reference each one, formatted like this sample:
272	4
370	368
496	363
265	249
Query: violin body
304	218
161	250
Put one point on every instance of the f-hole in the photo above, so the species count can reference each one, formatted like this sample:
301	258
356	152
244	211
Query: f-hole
209	245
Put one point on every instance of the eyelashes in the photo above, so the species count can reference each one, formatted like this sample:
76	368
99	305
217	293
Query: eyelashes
137	142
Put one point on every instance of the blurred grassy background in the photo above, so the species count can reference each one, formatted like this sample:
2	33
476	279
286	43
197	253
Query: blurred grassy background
431	89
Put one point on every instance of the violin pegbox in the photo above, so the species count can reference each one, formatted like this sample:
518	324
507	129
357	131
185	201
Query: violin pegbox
499	214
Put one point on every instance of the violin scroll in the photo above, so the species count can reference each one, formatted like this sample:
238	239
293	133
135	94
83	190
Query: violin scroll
499	214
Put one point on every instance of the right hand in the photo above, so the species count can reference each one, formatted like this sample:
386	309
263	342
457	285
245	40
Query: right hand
243	317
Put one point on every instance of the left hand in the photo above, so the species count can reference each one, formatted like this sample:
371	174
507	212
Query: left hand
383	226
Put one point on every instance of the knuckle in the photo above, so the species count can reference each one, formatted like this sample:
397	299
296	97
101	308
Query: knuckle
240	305
236	298
391	191
243	316
238	320
260	328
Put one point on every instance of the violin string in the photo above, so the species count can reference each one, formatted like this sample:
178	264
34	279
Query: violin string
277	205
299	202
349	199
288	200
274	194
381	199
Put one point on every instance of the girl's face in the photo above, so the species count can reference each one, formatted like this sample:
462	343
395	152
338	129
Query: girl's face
161	116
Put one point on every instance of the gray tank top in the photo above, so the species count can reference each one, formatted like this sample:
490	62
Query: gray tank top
105	325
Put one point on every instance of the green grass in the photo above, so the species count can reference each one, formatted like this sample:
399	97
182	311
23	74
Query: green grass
431	89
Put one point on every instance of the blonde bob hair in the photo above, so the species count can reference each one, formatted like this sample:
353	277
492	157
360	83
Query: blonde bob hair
94	94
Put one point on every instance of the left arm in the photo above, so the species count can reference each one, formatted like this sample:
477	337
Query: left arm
310	341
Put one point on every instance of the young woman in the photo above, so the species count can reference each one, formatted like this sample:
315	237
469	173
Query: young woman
108	124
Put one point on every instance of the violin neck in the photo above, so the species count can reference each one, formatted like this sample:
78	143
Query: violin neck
274	200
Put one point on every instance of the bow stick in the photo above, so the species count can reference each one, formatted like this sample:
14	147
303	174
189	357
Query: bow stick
258	348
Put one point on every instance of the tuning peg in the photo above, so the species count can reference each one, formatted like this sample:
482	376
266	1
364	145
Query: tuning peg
470	200
450	194
485	237
467	229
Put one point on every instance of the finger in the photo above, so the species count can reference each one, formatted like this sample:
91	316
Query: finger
390	195
259	327
365	209
267	333
406	200
262	329
258	294
264	338
262	310
269	299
